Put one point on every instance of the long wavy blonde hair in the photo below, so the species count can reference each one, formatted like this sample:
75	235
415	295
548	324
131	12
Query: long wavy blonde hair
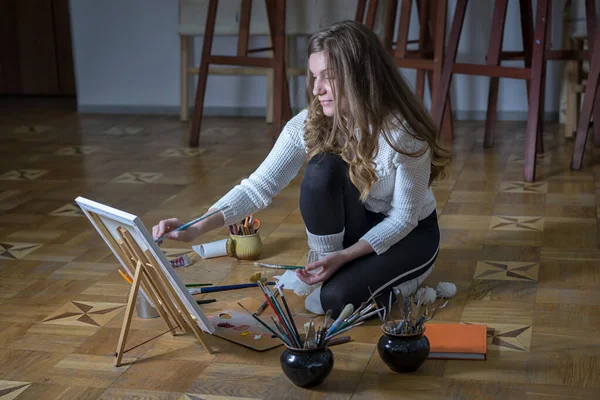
376	101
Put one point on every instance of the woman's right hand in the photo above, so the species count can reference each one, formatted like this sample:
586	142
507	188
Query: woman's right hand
167	226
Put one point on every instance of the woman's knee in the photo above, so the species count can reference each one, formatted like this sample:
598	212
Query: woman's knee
323	172
334	298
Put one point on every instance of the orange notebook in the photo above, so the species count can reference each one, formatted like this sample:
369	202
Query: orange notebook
457	341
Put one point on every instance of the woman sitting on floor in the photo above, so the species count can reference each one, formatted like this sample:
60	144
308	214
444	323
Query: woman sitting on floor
366	196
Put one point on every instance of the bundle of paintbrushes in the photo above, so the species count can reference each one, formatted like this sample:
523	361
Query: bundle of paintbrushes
416	307
314	336
248	226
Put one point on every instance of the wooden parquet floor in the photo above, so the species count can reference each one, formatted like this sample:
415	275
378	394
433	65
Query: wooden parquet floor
524	257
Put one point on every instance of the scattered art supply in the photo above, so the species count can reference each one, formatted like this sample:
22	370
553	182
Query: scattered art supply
277	266
457	341
212	289
189	285
255	277
181	261
187	225
206	301
219	248
125	276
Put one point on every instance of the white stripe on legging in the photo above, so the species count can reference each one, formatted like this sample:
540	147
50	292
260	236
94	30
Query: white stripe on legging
407	273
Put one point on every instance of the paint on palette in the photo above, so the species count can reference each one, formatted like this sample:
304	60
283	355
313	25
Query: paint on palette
239	327
244	328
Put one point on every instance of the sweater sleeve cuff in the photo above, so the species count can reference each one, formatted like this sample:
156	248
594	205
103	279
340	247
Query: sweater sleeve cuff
376	243
227	211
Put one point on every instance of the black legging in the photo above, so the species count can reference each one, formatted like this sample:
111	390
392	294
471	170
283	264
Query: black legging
329	202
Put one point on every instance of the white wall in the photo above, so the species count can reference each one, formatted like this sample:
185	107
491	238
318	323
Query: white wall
127	60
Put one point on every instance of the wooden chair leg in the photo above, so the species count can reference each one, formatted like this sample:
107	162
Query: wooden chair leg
203	73
537	73
442	91
493	58
589	99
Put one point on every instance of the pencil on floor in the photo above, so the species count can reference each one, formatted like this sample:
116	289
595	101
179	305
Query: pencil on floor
206	301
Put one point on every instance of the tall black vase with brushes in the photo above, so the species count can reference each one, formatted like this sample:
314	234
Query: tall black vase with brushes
403	352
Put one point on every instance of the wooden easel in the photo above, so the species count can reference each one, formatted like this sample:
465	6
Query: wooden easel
149	277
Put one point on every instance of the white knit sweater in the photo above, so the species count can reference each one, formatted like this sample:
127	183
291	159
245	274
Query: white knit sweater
402	191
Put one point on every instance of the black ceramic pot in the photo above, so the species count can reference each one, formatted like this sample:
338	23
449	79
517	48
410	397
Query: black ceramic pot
403	353
306	368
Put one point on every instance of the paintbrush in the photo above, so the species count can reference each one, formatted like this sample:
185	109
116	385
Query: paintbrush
343	330
211	289
279	313
277	266
263	306
343	315
287	308
188	224
284	335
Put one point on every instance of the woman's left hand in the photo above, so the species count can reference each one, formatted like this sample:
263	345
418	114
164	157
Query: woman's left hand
330	263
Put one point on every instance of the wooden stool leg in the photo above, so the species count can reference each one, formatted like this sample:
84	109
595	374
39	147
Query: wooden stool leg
590	7
446	76
423	11
527	35
572	101
281	108
371	13
203	73
360	11
437	16
390	18
589	99
183	104
538	64
493	58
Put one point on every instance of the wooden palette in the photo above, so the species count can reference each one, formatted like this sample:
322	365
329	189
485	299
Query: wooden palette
236	325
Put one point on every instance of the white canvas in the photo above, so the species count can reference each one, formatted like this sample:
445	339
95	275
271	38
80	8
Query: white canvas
112	219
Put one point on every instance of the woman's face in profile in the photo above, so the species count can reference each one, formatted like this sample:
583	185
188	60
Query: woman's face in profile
317	64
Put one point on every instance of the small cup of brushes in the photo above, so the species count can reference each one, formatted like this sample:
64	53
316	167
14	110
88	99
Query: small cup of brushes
245	242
